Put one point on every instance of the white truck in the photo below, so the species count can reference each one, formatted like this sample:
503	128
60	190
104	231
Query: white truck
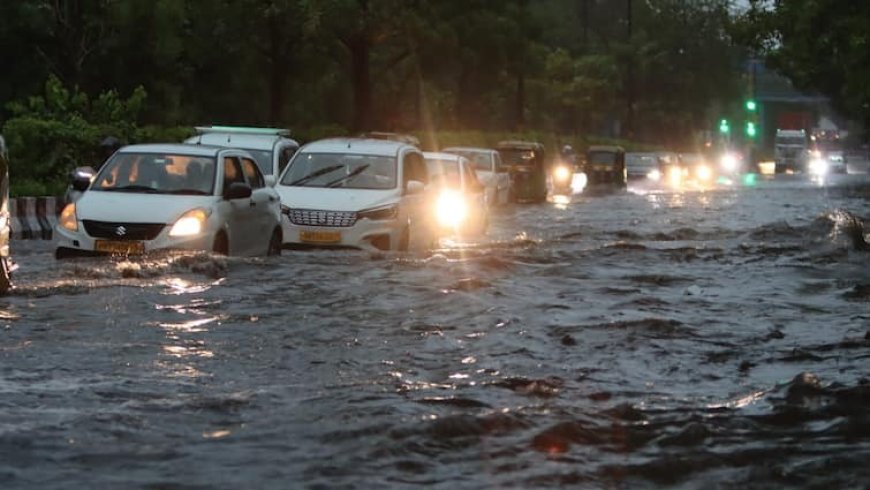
791	150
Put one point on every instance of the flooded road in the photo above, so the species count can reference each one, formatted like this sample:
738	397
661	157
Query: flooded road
715	339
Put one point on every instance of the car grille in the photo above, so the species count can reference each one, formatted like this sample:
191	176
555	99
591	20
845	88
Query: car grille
314	217
123	231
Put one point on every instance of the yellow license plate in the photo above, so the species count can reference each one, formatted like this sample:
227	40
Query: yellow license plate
123	248
320	236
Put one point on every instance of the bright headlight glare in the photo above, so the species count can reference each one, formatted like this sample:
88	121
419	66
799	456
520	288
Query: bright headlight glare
68	219
450	208
675	175
561	173
191	223
654	174
729	162
818	166
704	172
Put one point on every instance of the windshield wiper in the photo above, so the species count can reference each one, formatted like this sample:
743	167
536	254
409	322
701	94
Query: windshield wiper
316	173
131	188
353	173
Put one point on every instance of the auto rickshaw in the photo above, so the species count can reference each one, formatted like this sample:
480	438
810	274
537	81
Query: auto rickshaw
527	167
605	167
5	264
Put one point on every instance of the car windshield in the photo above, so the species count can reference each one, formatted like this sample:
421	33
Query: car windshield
444	173
349	171
640	161
157	173
602	158
791	140
514	156
481	161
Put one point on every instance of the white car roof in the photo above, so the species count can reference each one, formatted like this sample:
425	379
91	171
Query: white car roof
239	140
469	148
176	148
357	146
435	155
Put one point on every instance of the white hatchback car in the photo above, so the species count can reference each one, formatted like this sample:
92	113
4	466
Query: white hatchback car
271	148
172	196
490	171
460	206
356	193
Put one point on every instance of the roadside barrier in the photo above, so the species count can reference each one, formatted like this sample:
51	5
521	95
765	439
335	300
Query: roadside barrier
34	218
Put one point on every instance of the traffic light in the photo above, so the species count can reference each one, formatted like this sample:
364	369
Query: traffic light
751	106
751	130
724	128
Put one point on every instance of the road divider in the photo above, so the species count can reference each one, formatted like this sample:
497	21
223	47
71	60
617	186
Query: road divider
34	218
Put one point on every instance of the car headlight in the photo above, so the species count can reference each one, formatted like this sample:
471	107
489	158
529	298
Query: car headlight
450	208
381	213
704	172
561	173
285	210
728	162
190	223
654	174
68	219
818	166
675	175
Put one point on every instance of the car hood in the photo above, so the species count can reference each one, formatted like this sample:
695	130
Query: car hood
335	199
125	207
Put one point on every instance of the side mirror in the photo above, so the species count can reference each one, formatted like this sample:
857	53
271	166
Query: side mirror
237	190
414	187
271	180
81	178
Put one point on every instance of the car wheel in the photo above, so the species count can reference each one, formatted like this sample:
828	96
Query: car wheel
221	244
5	280
275	243
404	240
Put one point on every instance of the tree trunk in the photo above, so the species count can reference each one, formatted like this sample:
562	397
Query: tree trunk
362	86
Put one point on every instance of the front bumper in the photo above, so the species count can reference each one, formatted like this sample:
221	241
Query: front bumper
80	243
364	234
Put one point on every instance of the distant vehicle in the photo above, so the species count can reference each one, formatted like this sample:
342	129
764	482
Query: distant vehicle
697	169
5	261
271	148
827	153
642	166
605	167
460	206
356	193
491	172
671	171
172	196
528	169
384	135
791	150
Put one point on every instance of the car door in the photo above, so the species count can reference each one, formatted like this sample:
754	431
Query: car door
241	214
265	204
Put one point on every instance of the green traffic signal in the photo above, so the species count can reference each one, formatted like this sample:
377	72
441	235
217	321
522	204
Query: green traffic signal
723	126
751	130
751	105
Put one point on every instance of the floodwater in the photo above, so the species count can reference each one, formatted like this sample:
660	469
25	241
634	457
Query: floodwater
691	339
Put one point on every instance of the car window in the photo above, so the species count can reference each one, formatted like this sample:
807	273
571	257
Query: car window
345	170
159	173
252	173
602	158
446	173
285	155
415	168
499	165
232	172
471	181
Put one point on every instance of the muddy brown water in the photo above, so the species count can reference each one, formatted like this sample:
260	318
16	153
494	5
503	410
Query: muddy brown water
648	339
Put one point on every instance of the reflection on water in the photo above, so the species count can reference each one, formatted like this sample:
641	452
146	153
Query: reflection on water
651	339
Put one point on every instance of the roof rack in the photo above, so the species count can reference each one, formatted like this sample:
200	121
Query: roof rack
242	130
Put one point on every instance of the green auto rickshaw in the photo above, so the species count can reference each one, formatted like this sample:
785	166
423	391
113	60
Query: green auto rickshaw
5	264
526	161
605	168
